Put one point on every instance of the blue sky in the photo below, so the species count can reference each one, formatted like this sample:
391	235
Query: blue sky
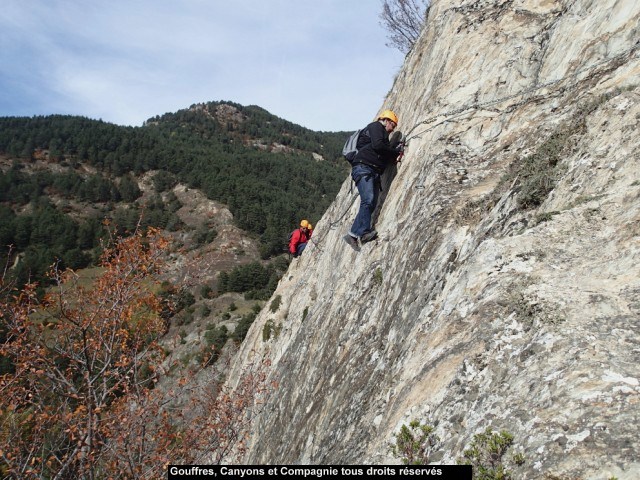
320	63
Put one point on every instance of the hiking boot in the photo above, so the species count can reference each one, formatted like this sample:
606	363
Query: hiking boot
367	237
354	242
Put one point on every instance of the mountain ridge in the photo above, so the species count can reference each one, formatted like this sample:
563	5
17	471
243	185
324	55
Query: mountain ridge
268	171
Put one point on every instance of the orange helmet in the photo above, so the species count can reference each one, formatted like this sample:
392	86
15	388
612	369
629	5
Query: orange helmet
304	224
389	115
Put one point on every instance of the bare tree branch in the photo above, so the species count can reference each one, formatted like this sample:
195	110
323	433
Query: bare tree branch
403	20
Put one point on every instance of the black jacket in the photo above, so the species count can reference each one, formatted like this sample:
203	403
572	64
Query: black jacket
374	148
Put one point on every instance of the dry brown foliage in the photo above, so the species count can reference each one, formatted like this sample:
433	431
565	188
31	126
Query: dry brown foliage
80	400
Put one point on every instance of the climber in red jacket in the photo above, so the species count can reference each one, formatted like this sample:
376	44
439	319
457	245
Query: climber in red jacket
299	238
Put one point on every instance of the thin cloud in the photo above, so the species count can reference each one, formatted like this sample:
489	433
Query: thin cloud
323	65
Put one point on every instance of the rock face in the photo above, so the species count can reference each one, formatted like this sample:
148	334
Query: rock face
504	290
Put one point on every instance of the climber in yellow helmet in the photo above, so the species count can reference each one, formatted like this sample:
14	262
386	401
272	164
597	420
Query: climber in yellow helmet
375	154
299	238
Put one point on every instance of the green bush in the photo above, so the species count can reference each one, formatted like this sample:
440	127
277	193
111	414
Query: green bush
536	175
243	326
206	291
183	299
267	329
486	454
377	277
414	444
205	234
255	280
216	337
275	303
205	311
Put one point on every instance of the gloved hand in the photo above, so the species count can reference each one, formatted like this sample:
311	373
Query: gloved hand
400	150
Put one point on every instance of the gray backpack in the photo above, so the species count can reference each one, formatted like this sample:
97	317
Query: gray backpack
350	149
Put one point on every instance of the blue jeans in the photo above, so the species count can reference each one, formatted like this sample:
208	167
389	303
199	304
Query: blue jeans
368	183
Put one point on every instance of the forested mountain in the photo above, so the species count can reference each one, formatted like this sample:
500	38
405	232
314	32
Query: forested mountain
270	173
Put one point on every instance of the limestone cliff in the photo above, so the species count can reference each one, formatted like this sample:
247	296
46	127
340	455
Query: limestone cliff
504	290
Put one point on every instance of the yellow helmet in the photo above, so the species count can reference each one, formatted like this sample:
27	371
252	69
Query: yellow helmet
388	114
304	224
